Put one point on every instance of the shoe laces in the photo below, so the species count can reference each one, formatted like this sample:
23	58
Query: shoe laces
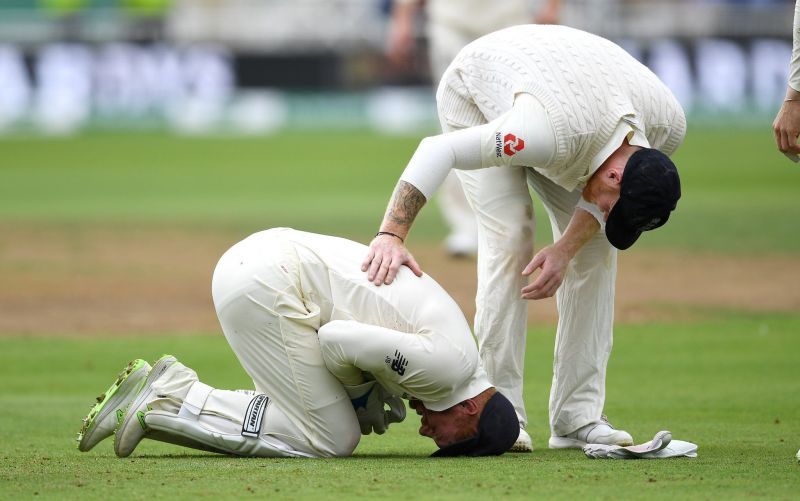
604	419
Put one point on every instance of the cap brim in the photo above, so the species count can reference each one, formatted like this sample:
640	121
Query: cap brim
619	233
462	448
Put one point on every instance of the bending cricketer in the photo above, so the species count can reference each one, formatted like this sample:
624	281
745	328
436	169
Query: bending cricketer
448	31
588	128
326	350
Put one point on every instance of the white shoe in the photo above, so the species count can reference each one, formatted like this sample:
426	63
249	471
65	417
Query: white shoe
600	432
133	429
105	415
524	442
461	244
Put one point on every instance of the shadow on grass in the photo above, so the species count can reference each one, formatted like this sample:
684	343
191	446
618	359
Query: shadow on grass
205	456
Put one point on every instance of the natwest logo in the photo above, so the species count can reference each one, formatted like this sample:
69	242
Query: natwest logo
512	144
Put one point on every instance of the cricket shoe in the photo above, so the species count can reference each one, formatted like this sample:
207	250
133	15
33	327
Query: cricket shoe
101	421
524	442
462	244
132	428
599	432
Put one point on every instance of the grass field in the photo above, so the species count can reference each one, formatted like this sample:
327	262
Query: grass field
724	379
739	193
725	384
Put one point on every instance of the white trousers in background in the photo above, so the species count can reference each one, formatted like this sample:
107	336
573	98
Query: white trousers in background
445	42
502	204
273	333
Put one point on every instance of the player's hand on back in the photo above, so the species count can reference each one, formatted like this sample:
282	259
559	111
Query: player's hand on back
386	255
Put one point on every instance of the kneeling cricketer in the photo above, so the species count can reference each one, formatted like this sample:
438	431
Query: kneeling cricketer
330	354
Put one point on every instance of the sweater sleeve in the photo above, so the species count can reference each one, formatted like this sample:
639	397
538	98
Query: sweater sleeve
350	347
412	365
794	67
523	136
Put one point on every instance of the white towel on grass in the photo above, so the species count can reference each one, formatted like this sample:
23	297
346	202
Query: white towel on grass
662	446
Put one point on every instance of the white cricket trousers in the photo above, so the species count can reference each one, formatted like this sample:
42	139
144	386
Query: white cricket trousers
272	329
503	207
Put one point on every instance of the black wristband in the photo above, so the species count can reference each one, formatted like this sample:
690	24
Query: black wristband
390	233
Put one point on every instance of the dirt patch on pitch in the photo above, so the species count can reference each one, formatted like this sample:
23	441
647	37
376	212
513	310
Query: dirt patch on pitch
102	280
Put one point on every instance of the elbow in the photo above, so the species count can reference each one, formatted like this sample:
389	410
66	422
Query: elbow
427	143
328	344
332	335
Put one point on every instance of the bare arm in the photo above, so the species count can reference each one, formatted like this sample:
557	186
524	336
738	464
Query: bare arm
550	13
553	259
400	42
786	126
387	252
403	208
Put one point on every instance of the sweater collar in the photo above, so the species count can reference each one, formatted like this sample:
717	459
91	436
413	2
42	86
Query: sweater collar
624	129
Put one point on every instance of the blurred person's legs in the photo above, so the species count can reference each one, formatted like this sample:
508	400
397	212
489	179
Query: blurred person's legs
444	44
448	33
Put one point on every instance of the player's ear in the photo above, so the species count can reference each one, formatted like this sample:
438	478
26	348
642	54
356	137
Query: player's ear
470	407
614	176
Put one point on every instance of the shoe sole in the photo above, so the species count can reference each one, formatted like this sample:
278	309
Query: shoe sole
565	443
524	442
573	443
129	379
156	372
520	448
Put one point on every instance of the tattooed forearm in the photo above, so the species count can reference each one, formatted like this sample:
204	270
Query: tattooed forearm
405	205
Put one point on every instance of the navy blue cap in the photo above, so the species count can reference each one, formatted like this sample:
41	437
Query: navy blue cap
649	191
498	429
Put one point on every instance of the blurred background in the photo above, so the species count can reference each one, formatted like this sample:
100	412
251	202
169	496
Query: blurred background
139	139
257	66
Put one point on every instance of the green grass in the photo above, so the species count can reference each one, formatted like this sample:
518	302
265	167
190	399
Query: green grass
328	182
739	193
729	385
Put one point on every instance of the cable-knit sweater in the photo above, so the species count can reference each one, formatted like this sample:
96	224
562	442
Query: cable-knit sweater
586	83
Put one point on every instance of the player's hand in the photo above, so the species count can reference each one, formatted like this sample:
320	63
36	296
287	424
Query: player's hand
369	400
787	127
553	261
548	15
385	257
400	46
400	41
397	410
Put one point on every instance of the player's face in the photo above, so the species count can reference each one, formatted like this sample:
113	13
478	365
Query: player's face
444	427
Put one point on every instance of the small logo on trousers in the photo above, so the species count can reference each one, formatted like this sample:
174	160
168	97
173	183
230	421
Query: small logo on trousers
251	426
